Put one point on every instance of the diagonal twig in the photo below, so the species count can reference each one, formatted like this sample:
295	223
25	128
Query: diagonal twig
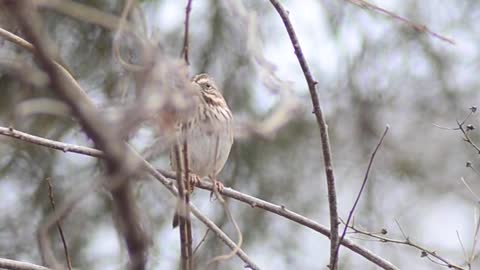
424	252
59	225
364	183
418	27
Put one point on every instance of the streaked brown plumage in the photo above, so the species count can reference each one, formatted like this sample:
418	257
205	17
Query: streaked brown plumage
209	133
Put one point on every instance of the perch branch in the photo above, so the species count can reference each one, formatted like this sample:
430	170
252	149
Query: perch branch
228	192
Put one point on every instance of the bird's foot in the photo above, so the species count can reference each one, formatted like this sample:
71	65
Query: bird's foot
217	188
193	180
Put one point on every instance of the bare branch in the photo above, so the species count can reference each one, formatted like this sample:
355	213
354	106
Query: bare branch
18	265
365	179
424	252
184	52
231	193
188	189
64	147
201	241
84	13
181	216
418	27
59	224
317	110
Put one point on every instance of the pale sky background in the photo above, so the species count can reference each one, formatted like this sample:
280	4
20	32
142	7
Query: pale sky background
430	214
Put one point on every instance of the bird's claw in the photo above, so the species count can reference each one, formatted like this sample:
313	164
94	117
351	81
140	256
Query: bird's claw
193	180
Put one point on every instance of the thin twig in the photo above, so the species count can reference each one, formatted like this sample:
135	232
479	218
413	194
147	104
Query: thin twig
477	198
237	229
418	27
59	224
64	147
467	138
425	252
364	183
401	230
231	193
462	246
116	39
317	110
184	52
201	241
475	237
61	212
213	177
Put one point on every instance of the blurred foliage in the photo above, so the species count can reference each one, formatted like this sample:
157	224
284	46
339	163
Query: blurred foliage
384	72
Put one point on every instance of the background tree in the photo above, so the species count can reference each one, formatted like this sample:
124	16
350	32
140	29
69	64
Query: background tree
371	70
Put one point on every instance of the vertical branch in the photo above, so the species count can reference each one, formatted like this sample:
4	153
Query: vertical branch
186	232
180	215
184	52
317	110
189	188
59	225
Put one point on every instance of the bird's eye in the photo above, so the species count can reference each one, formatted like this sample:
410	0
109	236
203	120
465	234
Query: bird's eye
208	86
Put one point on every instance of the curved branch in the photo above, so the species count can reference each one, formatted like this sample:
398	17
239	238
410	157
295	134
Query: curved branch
322	124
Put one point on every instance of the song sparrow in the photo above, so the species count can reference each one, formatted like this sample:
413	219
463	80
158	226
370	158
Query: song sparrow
209	133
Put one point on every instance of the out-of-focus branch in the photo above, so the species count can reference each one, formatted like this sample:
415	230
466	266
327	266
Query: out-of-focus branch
105	135
231	193
64	147
288	106
418	27
65	77
184	52
59	224
84	13
23	43
184	189
16	39
317	110
18	265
